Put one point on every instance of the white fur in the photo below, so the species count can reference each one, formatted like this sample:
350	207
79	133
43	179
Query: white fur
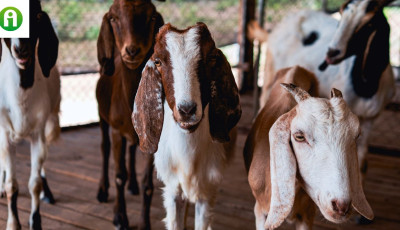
351	18
287	50
190	165
26	113
185	53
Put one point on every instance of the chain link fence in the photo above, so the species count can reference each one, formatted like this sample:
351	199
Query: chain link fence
77	23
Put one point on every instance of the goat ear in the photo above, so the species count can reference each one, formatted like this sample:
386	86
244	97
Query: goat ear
359	202
148	112
105	47
48	44
336	93
224	110
283	171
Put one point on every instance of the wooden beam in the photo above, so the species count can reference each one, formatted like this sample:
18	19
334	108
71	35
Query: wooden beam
256	95
247	9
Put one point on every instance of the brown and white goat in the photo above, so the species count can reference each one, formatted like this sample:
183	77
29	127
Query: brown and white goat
305	154
29	106
356	49
124	45
186	106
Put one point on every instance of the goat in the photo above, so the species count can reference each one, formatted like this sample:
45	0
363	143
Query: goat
124	45
185	109
358	57
29	107
300	155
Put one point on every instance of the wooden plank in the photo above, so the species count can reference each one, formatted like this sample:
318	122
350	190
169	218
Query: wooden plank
73	169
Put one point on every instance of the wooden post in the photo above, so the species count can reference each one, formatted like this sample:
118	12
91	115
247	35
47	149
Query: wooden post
246	46
256	95
324	6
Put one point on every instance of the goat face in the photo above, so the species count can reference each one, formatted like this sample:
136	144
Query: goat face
189	72
181	65
23	50
130	27
319	136
357	28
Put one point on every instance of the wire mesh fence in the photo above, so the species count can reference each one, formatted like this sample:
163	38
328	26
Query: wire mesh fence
77	23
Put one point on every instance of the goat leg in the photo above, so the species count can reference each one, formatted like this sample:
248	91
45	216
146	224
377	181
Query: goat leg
7	154
133	186
147	193
102	194
38	156
119	149
47	195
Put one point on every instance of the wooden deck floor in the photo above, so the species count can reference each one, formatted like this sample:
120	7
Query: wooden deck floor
73	170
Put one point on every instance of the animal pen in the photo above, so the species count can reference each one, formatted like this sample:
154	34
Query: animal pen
74	162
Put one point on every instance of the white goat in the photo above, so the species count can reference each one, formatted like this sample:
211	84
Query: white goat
29	107
358	51
310	158
184	110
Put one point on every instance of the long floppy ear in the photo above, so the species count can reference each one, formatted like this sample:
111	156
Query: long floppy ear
283	171
48	44
359	202
148	112
224	110
105	47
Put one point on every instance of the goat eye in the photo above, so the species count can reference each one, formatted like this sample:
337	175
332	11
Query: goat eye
299	137
157	62
112	19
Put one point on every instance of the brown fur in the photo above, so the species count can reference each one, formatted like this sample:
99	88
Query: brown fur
124	45
217	85
256	152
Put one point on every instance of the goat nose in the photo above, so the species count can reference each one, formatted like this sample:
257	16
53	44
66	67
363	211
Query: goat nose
341	207
187	109
333	52
132	51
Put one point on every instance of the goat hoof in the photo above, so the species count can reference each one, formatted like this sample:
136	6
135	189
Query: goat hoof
49	199
36	222
102	195
121	221
3	194
47	195
133	188
362	220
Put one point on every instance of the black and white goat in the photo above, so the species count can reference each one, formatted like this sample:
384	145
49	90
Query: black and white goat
184	111
29	106
356	54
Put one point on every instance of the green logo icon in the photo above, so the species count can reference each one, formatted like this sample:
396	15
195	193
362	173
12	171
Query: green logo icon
10	18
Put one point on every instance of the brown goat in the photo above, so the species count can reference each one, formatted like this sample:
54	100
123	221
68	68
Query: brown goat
124	45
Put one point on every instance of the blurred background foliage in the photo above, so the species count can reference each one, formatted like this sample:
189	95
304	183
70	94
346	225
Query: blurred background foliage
77	23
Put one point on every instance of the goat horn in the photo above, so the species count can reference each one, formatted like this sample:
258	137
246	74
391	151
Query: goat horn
336	93
298	93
